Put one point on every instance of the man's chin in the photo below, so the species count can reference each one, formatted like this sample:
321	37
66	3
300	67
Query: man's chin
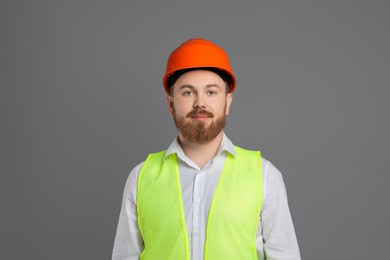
200	137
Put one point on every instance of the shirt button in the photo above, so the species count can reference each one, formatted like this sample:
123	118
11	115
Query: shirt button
196	234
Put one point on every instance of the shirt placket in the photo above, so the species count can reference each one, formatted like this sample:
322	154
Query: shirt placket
196	217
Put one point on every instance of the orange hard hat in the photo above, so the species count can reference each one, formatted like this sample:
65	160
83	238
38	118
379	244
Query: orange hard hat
199	53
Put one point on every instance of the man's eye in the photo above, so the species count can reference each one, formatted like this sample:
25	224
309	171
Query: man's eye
187	93
211	92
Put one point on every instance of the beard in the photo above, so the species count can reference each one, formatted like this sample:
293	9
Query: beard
198	132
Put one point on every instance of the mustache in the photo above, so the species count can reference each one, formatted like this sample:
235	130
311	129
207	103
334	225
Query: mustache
197	112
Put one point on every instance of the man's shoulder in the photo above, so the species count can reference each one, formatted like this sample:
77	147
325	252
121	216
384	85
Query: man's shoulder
159	153
137	169
133	176
139	165
268	168
245	151
236	147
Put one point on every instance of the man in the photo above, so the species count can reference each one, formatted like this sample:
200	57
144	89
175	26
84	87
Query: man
203	197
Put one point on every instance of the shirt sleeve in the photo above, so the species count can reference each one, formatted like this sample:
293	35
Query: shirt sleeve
276	239
128	243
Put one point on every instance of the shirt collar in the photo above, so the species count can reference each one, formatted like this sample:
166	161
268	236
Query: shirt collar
226	145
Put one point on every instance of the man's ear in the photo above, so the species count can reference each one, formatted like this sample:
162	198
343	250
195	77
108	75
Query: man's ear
170	104
229	99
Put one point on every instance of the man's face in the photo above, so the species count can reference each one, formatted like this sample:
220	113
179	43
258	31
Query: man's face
199	105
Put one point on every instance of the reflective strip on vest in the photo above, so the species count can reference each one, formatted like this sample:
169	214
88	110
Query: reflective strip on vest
233	217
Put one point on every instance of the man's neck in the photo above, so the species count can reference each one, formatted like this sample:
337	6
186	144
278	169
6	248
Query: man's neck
200	154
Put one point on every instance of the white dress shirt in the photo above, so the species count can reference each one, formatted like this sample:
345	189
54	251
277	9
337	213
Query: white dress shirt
276	238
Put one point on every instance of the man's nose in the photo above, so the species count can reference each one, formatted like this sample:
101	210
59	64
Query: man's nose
199	102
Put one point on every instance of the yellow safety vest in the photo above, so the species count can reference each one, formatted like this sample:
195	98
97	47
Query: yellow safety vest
233	217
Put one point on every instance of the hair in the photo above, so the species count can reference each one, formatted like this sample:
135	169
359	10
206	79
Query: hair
224	75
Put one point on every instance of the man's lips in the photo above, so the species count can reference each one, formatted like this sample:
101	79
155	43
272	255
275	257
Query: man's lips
200	116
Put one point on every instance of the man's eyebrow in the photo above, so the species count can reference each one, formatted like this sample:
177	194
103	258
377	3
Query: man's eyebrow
193	88
213	86
186	86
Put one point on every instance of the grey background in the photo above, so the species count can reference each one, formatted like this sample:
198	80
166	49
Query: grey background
82	104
